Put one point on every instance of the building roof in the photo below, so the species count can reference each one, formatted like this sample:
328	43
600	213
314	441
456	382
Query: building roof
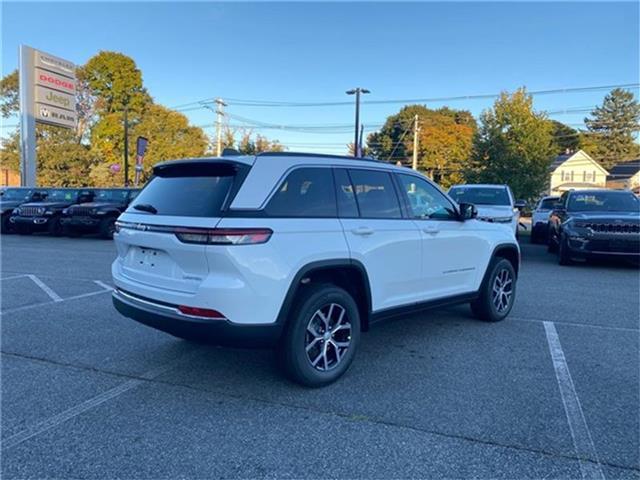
624	170
560	159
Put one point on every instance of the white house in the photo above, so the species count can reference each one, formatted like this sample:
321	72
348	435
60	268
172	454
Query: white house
576	171
625	175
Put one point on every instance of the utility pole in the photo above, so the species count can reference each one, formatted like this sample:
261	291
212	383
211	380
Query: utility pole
219	113
357	92
126	146
416	129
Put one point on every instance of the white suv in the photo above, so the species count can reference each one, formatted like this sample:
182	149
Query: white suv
495	203
302	252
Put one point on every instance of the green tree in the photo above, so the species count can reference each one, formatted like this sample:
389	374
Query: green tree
444	141
249	145
612	127
564	137
9	94
169	133
514	146
62	161
116	82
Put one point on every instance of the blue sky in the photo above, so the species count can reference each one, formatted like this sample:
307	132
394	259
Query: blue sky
313	52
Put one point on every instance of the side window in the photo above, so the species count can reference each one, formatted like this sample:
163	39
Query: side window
425	200
375	194
347	207
306	192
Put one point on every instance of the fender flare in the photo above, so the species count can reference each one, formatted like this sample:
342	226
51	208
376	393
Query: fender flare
309	268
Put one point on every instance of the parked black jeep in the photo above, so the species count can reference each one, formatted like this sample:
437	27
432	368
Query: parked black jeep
45	215
98	215
595	223
14	197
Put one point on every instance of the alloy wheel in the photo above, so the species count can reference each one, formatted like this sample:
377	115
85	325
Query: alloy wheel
502	291
328	337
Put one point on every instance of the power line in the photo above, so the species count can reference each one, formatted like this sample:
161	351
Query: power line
281	104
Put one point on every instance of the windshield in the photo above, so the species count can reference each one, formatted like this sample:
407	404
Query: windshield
16	194
480	195
547	204
604	202
61	195
118	196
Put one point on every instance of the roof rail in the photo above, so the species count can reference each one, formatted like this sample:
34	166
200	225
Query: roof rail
318	155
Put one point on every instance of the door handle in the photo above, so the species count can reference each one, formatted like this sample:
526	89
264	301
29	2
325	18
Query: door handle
431	229
362	231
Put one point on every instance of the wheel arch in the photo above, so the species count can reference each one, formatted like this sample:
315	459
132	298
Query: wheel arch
348	274
510	252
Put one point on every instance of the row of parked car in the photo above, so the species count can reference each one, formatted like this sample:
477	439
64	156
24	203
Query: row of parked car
585	224
63	211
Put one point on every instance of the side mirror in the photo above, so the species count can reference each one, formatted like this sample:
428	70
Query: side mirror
468	211
520	204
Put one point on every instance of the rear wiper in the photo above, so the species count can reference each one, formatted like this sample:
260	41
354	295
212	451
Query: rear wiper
146	207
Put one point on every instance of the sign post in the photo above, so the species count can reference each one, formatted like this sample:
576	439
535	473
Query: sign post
47	95
141	149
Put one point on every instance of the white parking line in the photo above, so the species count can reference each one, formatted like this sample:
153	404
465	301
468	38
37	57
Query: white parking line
12	277
583	443
35	305
574	324
72	412
103	285
46	289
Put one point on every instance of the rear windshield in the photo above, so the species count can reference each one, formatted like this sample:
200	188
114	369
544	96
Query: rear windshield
193	191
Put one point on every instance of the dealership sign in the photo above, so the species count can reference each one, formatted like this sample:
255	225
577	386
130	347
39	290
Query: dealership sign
47	95
53	90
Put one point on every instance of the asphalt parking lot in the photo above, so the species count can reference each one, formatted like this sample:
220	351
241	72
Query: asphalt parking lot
552	392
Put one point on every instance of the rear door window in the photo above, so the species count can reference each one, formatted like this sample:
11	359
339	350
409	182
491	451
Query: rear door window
345	196
192	190
375	194
306	192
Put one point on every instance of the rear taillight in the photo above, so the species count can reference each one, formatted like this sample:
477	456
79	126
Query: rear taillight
201	312
224	236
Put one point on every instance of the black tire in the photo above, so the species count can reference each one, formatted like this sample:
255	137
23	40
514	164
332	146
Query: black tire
332	302
484	307
5	225
552	247
107	228
55	227
534	236
564	255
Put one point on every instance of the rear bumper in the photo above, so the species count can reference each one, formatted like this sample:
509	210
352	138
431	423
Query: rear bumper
167	318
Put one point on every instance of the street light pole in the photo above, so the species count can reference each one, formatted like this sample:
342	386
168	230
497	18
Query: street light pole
357	92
